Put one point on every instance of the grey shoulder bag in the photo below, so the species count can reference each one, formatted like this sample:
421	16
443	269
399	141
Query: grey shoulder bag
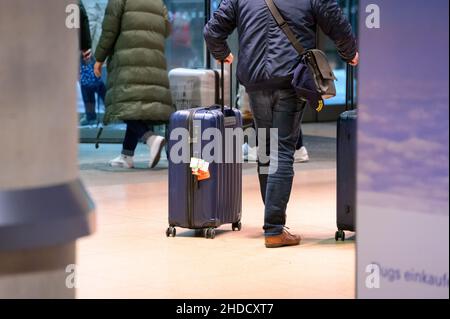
313	77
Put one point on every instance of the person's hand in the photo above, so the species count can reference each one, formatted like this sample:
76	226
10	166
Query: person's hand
355	60
229	59
87	55
98	69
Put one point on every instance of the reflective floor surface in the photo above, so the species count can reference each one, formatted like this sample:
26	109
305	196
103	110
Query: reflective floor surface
130	256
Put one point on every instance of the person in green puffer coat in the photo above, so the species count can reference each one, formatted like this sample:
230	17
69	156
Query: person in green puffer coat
138	91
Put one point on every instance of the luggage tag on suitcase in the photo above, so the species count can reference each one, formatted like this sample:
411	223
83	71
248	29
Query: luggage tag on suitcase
200	168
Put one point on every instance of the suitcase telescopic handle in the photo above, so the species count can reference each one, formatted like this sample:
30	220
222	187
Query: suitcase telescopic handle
350	94
222	85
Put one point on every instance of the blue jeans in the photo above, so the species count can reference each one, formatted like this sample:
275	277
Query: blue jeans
283	110
300	143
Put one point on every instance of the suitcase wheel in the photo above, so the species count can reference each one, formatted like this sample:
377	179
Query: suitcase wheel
340	234
210	233
237	226
171	231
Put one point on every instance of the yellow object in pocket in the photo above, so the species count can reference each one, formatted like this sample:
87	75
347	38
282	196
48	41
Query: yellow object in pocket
320	106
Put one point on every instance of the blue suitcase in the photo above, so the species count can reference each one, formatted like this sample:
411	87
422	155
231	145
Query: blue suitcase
346	164
205	205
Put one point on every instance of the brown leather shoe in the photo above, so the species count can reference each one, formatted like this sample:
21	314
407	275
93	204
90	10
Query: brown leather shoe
284	239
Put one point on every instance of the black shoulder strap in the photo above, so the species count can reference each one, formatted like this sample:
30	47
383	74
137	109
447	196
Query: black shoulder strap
284	26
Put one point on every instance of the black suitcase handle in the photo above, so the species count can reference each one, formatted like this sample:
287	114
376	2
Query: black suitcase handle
222	86
349	91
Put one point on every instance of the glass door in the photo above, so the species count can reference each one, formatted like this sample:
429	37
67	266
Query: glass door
185	46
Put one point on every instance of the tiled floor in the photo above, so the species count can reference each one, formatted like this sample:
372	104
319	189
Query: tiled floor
130	256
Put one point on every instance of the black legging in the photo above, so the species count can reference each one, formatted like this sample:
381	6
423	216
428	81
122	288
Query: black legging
136	130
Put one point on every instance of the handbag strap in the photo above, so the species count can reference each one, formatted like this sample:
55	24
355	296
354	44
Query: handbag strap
285	27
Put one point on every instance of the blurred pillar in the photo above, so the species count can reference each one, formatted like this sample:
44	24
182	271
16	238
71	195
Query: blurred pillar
43	205
403	146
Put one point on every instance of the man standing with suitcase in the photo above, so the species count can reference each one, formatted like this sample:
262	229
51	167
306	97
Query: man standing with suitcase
267	61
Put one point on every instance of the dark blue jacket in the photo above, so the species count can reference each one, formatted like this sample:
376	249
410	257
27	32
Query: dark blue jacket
267	60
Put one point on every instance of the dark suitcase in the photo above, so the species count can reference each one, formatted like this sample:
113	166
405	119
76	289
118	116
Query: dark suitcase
346	163
207	204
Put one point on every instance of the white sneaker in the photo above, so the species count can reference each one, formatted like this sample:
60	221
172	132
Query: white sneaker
301	155
122	161
250	153
156	144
